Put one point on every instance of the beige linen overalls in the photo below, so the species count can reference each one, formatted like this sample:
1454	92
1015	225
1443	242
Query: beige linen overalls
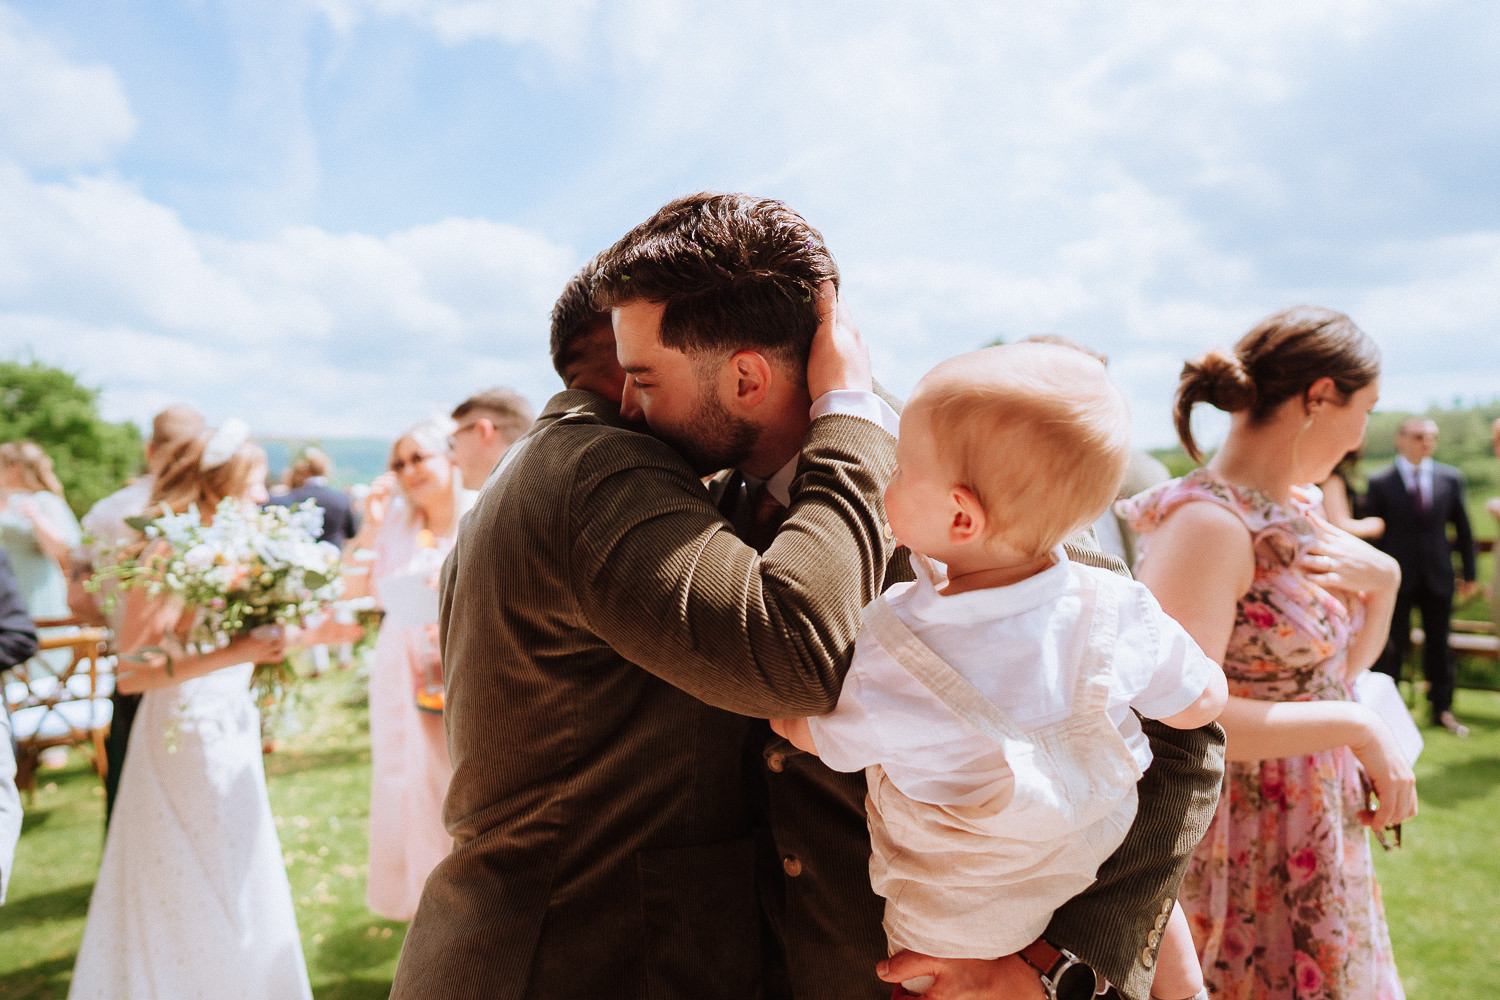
983	881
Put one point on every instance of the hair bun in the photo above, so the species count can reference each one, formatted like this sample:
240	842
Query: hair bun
1222	381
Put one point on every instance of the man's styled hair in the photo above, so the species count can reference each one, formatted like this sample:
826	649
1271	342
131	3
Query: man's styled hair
1037	432
507	409
732	271
576	321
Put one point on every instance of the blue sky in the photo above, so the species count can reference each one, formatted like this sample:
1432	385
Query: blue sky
336	217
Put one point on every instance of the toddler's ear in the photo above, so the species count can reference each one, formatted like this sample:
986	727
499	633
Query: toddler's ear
967	523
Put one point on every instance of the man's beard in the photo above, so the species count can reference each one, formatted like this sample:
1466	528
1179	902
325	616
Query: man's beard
713	438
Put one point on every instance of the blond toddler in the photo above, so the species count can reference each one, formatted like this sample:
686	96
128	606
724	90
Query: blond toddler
990	701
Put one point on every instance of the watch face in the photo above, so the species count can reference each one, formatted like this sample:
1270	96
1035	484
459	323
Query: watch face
1075	983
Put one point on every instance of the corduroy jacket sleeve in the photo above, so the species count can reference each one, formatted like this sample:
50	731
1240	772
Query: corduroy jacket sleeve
661	578
1115	925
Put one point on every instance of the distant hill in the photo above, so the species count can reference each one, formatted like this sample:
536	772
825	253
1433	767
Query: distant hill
1463	441
355	460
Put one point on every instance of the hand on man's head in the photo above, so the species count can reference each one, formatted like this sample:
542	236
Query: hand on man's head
839	358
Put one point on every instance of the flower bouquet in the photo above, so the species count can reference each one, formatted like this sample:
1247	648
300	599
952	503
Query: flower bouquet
252	568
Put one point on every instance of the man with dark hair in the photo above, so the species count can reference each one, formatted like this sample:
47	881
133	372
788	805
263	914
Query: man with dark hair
1418	498
605	635
488	422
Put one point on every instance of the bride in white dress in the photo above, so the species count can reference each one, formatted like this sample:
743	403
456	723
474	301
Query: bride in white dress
192	898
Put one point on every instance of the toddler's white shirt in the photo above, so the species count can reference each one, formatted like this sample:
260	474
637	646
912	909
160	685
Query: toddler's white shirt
1020	646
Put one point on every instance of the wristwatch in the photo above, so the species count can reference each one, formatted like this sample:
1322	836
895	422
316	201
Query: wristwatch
1065	976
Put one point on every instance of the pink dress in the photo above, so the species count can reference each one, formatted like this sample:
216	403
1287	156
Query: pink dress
408	750
1281	893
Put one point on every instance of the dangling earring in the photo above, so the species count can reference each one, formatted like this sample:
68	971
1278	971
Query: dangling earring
1301	431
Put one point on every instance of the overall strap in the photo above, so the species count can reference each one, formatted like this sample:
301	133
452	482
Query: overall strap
950	687
1091	692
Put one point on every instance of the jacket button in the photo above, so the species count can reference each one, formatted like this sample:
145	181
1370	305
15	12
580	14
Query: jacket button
1153	939
1161	923
776	762
1148	957
791	866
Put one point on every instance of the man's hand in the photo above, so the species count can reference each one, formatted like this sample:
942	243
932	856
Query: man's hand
1007	978
1467	589
839	358
797	732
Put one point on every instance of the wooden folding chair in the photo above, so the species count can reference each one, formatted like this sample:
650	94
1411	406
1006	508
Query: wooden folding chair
52	707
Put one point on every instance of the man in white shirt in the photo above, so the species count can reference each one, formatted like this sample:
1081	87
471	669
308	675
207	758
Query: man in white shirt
488	423
1418	498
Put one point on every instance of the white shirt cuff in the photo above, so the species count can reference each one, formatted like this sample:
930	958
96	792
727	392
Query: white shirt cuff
854	403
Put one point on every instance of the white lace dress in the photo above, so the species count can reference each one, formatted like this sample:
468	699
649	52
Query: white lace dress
192	898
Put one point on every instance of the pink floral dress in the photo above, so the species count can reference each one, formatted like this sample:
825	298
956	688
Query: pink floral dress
1281	893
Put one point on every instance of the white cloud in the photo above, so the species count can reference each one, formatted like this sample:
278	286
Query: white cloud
55	112
980	170
304	332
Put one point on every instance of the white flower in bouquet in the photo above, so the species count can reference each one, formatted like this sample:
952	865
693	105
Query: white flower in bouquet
251	568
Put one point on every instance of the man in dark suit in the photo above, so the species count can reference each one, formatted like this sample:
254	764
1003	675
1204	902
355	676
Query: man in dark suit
311	473
1418	498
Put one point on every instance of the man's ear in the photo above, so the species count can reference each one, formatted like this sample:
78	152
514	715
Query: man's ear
485	427
967	520
750	374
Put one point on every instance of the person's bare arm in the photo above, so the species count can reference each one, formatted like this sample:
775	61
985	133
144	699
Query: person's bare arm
151	656
1205	708
1203	595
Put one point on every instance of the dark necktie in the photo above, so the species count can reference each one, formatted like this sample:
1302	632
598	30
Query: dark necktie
1419	493
766	516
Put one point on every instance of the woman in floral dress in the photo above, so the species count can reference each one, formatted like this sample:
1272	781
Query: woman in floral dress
1281	894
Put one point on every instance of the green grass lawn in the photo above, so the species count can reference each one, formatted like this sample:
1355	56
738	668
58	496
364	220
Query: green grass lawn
319	783
1442	890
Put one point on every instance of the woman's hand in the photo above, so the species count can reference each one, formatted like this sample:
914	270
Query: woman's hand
1339	561
267	644
1390	774
377	502
48	538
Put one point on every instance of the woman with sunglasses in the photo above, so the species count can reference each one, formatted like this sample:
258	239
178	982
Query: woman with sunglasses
410	523
1280	894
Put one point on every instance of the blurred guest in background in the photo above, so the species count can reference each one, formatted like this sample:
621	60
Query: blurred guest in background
410	524
1493	506
17	642
37	529
105	528
487	424
309	481
1343	504
1418	498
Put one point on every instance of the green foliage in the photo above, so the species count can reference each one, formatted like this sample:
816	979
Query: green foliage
1176	460
1464	441
91	456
